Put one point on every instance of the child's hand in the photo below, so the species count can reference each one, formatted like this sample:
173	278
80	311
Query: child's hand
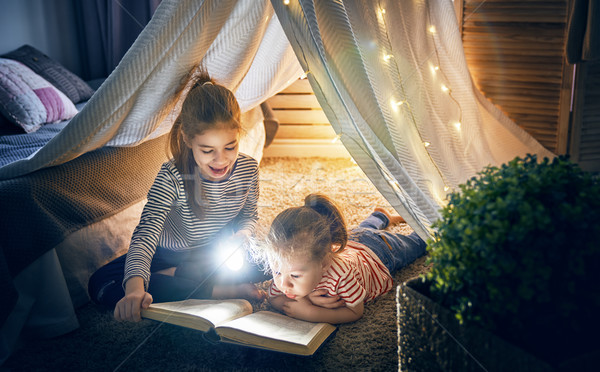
300	308
130	306
136	298
320	298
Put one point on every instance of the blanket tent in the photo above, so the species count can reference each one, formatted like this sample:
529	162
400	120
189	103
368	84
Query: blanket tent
390	75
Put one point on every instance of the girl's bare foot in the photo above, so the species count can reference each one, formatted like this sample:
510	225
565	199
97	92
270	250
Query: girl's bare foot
246	291
395	219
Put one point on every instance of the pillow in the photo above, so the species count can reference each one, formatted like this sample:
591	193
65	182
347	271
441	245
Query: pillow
67	82
28	100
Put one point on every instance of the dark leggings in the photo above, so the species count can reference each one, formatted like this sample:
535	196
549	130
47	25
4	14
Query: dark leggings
195	276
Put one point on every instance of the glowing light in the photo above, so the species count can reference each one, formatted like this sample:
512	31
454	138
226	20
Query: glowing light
445	89
386	57
434	69
446	188
396	104
231	253
457	125
286	2
426	144
235	260
336	138
303	76
432	29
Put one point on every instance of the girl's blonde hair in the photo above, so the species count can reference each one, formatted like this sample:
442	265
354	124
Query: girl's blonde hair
313	230
208	105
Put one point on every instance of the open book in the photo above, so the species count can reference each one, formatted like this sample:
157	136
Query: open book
234	322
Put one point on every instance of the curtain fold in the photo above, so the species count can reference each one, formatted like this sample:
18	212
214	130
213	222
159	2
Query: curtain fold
107	28
583	32
393	81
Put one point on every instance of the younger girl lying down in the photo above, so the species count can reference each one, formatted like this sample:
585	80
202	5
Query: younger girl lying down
322	274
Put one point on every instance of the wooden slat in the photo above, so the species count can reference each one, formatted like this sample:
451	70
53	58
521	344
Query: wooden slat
306	148
299	86
498	17
294	101
301	117
486	48
516	92
290	131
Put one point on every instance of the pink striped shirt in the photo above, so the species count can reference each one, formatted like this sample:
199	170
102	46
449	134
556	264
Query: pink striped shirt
356	274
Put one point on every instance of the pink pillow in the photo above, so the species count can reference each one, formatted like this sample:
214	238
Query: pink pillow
28	100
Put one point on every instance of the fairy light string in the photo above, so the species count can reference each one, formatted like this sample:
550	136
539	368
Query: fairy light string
403	105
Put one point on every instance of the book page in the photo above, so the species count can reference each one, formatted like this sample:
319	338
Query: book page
274	326
186	312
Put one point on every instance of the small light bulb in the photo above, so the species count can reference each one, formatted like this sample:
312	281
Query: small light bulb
396	104
432	29
286	2
446	188
386	57
457	125
303	76
426	144
336	138
445	88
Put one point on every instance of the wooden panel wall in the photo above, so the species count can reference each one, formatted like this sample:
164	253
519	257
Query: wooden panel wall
304	130
515	52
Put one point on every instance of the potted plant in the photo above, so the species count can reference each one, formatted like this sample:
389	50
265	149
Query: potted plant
513	282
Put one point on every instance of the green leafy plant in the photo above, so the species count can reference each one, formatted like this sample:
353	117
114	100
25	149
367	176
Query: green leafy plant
517	249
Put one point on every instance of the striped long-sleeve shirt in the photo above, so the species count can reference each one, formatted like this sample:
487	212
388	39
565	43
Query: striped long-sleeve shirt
168	221
356	274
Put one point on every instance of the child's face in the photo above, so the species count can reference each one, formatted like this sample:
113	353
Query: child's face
298	277
215	152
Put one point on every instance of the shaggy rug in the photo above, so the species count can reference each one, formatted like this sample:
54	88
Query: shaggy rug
369	344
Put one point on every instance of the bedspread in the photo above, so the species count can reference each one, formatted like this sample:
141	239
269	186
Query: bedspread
39	210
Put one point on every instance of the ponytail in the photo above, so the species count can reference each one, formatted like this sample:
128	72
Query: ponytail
314	231
327	208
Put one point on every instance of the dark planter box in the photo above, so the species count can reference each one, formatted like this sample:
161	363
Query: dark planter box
431	339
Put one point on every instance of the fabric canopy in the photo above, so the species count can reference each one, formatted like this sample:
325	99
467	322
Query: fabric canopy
241	43
390	75
393	80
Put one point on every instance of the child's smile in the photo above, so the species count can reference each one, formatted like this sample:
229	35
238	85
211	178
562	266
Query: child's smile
218	172
215	152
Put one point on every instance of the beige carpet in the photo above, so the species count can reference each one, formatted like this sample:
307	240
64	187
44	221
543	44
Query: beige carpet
370	344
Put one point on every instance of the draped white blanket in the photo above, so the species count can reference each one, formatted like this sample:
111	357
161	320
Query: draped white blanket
241	43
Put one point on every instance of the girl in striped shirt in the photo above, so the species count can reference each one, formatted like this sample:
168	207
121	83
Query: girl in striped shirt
203	199
322	274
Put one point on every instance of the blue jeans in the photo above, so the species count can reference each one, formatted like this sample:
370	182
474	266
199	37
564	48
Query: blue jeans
394	250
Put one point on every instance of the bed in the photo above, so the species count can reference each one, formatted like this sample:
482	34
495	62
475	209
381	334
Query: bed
59	224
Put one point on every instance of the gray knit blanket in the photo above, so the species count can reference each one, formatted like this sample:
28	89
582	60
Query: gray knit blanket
39	210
